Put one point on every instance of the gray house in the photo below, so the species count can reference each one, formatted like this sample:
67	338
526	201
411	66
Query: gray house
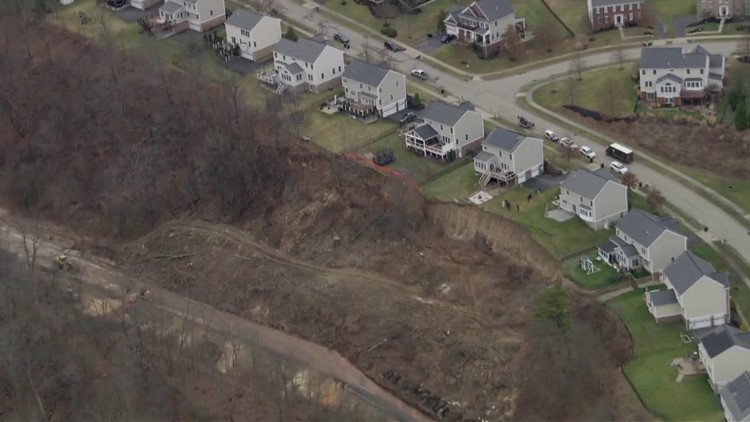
446	131
596	197
725	352
373	89
304	65
509	158
696	293
253	33
643	240
735	399
483	23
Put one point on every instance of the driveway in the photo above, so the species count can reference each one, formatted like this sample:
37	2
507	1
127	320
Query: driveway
543	183
429	44
680	24
131	14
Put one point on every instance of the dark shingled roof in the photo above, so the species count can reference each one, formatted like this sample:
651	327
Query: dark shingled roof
245	19
689	268
736	395
366	73
504	139
425	132
663	297
586	183
718	340
444	113
673	58
302	49
643	227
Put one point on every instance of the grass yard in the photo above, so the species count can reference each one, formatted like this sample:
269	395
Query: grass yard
734	190
457	184
418	25
339	132
636	200
606	276
560	239
418	168
650	372
608	91
555	155
666	10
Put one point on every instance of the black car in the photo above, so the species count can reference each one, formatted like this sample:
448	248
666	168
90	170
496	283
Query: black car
343	39
407	118
446	38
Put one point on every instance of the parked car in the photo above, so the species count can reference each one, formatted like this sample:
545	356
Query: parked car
421	74
551	136
407	118
588	152
343	39
446	38
648	43
525	123
568	143
392	47
618	167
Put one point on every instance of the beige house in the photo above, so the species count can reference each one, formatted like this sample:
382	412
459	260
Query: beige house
735	399
725	352
596	197
483	23
197	15
446	131
696	293
255	34
304	65
643	240
373	89
509	158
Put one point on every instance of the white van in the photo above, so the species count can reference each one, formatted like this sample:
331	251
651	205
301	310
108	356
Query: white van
551	135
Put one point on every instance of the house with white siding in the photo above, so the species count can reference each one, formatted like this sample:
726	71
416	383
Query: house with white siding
483	23
596	197
643	240
509	158
373	89
197	15
725	352
735	399
695	293
253	33
446	131
304	65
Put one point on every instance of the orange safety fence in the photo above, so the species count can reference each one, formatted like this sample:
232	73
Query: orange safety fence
406	180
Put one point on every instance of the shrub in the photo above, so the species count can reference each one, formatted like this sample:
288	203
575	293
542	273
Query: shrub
744	326
386	24
389	32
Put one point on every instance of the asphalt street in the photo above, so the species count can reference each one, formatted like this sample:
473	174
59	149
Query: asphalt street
498	97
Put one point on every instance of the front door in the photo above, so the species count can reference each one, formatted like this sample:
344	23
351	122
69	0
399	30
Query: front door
618	20
723	11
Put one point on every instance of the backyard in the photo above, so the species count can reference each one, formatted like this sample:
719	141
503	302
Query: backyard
561	239
610	91
650	371
339	132
418	168
455	185
604	276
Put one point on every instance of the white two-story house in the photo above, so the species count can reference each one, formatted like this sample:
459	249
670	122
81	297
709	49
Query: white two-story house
509	158
735	399
483	22
643	240
253	33
304	65
596	197
680	75
446	131
373	89
725	352
695	292
198	15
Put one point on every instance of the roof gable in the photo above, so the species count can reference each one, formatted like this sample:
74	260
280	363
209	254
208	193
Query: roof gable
722	338
736	395
444	113
245	19
366	73
303	49
673	58
493	10
645	228
587	183
687	269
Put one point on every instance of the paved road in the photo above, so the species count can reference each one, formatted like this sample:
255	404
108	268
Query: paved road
498	97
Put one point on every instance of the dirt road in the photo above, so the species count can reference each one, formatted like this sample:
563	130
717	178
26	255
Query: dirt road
97	273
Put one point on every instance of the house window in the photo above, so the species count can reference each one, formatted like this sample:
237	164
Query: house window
643	72
688	71
234	40
396	83
255	44
467	136
211	12
701	71
360	86
653	72
391	97
339	68
322	76
451	130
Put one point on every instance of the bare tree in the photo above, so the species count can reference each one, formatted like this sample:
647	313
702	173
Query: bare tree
571	86
619	55
271	7
512	43
630	180
548	33
609	97
655	198
577	65
569	153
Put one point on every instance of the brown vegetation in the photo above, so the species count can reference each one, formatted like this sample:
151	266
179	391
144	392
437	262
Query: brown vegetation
116	147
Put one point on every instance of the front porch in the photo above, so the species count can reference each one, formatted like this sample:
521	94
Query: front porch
619	254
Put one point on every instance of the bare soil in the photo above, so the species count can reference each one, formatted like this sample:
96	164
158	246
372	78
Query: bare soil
250	221
718	149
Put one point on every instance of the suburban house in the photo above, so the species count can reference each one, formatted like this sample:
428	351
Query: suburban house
608	14
735	399
373	89
509	158
725	352
255	34
138	4
696	293
483	22
306	64
680	75
198	15
719	9
643	240
596	197
446	131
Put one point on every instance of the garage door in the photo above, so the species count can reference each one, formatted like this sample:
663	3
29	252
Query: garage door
700	322
390	109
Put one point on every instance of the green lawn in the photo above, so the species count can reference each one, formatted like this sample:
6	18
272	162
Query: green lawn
418	25
418	168
339	132
650	372
606	276
668	9
636	200
560	239
608	91
457	184
735	190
